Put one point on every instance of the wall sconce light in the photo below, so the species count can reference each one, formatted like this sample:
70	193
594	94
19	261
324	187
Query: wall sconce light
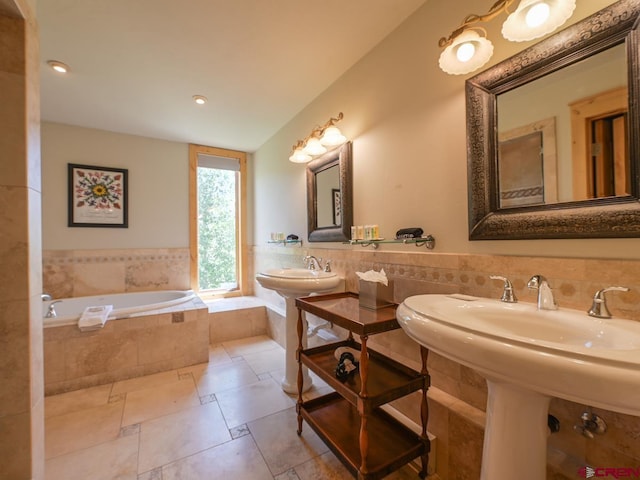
318	140
467	48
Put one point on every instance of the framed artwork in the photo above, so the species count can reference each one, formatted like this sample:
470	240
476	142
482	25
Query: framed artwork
97	196
337	204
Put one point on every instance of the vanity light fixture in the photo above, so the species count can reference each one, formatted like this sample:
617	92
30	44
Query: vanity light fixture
467	48
58	66
318	140
200	99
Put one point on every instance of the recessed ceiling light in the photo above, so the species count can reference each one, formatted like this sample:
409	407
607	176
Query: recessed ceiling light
200	99
58	66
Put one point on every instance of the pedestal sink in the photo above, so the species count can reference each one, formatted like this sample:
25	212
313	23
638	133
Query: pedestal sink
291	283
528	356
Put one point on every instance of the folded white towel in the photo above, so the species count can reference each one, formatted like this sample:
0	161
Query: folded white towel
94	318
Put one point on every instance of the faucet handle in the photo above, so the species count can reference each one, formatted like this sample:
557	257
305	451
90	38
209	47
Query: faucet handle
599	307
327	266
507	294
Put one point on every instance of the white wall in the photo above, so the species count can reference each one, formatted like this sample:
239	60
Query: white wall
158	188
407	122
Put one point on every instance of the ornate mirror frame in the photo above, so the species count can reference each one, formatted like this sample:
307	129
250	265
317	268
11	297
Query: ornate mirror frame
340	233
602	217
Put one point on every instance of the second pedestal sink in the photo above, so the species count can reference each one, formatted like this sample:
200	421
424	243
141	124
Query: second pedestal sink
528	356
291	283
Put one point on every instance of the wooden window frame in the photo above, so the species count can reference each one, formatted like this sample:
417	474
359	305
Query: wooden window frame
241	217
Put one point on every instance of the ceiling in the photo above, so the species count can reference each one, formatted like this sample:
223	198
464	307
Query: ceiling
136	64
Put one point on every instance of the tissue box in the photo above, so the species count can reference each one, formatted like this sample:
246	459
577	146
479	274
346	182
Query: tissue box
375	295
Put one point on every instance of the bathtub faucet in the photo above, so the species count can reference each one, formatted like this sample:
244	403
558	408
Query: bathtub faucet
51	311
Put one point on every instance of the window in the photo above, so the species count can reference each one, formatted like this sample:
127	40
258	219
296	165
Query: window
216	218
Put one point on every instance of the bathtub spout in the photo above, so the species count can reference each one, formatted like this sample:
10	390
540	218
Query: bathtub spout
51	311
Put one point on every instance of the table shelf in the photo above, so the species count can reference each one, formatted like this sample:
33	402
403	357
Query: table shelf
388	379
338	423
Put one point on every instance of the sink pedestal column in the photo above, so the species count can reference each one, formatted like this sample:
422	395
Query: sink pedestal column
290	380
515	437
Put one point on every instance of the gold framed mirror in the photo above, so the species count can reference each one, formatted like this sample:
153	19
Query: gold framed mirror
609	33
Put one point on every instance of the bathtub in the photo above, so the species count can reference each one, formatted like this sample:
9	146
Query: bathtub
147	333
68	310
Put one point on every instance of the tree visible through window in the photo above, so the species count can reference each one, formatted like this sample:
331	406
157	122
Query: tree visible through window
217	252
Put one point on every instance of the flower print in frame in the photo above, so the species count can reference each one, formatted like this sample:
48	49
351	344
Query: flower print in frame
97	196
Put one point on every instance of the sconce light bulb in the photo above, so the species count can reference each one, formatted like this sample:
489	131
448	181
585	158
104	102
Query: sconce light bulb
537	15
536	18
459	59
333	136
465	51
299	156
314	147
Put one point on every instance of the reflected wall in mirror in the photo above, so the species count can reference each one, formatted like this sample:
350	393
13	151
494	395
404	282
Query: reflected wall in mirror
583	182
330	196
575	98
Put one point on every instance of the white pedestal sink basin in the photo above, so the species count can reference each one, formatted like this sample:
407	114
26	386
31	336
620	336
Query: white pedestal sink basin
528	356
291	283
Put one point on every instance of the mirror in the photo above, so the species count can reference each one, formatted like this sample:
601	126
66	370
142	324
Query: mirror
330	196
533	168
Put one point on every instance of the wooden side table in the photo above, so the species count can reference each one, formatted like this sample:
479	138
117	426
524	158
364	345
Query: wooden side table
369	442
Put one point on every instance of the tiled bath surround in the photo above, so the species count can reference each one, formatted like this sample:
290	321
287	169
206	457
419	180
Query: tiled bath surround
143	344
458	397
78	273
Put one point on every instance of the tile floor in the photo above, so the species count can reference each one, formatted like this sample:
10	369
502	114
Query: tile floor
228	419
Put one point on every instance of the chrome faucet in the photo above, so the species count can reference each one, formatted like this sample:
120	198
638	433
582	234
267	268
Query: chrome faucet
51	311
507	293
312	263
545	294
45	297
599	306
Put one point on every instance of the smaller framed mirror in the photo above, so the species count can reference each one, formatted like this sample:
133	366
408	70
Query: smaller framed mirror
330	196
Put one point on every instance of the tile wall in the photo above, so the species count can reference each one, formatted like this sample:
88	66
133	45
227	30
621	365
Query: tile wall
458	397
21	395
77	273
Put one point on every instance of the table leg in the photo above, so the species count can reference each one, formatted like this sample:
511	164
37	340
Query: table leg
424	412
364	413
300	376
